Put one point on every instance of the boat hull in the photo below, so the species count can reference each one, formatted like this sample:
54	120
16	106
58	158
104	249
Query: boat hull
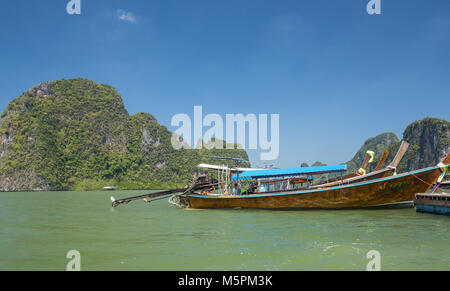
384	191
437	203
436	209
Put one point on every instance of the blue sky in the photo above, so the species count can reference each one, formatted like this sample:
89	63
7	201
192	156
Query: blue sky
335	74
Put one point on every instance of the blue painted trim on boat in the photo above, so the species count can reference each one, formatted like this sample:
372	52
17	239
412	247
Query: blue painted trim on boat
318	190
437	209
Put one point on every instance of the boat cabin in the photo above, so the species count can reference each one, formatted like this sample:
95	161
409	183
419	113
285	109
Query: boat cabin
243	181
285	184
280	180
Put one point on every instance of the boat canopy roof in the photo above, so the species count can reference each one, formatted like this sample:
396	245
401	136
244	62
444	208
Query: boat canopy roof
290	172
232	169
229	159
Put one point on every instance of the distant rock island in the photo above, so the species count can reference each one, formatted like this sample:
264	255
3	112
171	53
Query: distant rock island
429	141
77	135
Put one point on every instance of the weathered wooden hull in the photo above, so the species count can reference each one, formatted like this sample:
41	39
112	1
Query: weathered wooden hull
379	192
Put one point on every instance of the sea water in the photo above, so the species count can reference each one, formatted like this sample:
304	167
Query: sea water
37	230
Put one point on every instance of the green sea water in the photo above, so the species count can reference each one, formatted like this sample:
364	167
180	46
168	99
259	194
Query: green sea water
38	229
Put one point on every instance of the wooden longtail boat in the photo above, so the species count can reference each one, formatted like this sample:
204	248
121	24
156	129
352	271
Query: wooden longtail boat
385	191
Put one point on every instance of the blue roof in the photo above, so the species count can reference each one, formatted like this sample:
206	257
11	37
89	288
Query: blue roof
291	172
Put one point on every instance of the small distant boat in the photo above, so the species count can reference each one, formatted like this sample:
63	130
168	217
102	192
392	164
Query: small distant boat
445	185
437	203
109	188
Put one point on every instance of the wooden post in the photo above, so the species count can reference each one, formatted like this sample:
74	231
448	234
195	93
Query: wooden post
366	162
401	152
381	162
446	160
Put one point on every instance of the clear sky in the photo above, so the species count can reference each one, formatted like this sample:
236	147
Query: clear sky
335	74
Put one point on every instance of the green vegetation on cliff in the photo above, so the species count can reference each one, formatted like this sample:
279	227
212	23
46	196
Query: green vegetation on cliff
377	144
429	141
77	134
318	164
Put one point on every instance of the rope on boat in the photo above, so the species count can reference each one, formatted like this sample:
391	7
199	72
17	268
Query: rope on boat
443	169
422	180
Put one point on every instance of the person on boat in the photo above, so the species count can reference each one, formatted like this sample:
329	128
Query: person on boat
235	190
253	187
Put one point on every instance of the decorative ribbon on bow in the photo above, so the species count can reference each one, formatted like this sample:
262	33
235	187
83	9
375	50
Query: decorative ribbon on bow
441	177
371	154
361	172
